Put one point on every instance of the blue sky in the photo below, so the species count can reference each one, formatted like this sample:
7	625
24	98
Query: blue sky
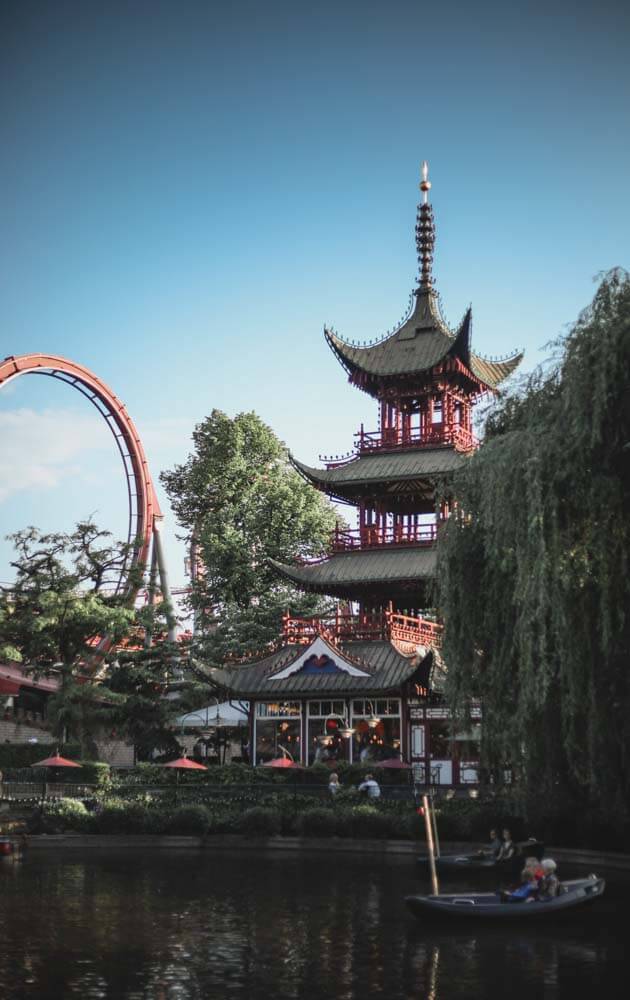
189	191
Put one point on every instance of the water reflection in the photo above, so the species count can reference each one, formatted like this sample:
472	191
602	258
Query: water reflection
170	926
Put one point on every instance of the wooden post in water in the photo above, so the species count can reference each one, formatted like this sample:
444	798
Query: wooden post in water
436	839
427	825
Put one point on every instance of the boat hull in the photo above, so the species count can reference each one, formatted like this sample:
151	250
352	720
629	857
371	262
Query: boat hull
469	862
486	905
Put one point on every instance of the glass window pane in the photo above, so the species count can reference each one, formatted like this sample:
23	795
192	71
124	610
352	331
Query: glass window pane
376	744
439	739
274	736
338	749
277	710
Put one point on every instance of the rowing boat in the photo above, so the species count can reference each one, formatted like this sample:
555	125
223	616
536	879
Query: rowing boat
485	859
483	905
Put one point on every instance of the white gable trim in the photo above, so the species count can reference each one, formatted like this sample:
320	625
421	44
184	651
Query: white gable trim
319	647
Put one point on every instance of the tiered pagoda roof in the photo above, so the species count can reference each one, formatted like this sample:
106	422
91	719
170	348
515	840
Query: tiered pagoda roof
349	574
324	665
394	473
416	348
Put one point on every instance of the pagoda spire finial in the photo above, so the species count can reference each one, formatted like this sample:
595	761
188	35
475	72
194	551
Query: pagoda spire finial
425	231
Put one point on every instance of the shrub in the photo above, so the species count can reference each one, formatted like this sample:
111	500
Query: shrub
117	816
62	815
223	818
471	819
260	820
347	796
193	820
318	822
367	821
95	772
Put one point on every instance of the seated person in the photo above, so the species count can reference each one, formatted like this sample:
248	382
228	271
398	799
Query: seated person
495	845
549	886
527	891
370	787
507	849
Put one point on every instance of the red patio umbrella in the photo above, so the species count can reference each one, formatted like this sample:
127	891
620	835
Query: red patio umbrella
53	762
280	762
392	762
56	761
183	764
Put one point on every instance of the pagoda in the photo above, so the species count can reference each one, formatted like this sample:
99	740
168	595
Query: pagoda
369	672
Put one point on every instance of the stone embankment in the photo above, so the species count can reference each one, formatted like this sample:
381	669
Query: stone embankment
236	842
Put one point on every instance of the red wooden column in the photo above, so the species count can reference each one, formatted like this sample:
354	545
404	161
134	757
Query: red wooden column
447	415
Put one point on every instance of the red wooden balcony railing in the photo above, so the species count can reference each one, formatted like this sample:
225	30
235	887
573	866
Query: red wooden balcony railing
406	628
363	627
372	537
438	434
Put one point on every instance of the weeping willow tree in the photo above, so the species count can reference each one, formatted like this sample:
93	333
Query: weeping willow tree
533	577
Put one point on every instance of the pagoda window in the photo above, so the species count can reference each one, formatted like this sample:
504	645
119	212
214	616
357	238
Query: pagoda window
375	741
326	718
278	709
277	728
436	411
440	745
457	412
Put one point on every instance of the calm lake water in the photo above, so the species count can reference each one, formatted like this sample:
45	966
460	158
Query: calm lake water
180	925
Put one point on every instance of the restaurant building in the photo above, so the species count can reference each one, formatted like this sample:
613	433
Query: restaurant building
366	683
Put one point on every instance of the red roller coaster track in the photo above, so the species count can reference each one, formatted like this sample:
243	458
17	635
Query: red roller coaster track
144	510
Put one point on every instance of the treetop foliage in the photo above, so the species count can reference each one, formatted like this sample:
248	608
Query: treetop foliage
241	503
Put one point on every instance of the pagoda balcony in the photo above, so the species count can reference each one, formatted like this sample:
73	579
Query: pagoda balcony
386	625
375	537
436	436
395	439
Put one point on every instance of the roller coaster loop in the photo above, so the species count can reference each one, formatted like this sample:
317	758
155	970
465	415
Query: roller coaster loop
144	514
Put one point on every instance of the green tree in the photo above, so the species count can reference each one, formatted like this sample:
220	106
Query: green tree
56	610
238	498
51	620
533	581
133	702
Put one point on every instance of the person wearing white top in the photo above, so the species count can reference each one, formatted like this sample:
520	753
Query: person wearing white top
370	787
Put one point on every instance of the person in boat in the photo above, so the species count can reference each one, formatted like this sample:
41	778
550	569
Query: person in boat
495	845
530	882
507	848
548	886
528	890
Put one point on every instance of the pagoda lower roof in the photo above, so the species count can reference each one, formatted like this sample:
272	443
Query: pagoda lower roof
384	666
344	571
390	468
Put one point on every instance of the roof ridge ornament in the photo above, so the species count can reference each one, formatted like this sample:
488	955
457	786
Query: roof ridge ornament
425	231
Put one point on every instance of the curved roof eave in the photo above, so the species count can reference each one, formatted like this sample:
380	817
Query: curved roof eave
376	469
493	373
370	568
